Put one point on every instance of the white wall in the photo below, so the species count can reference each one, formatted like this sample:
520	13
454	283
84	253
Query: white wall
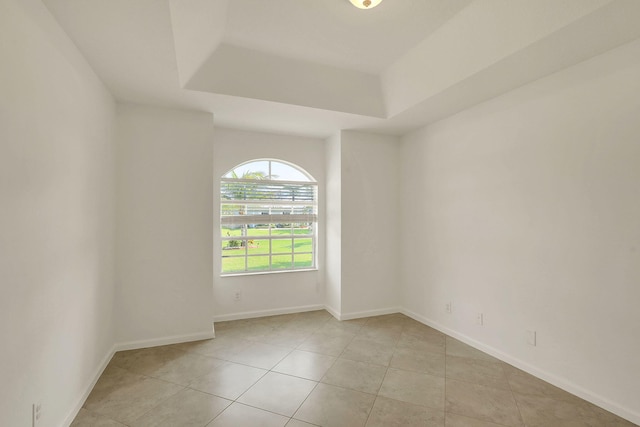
370	207
164	214
264	294
526	209
56	219
333	271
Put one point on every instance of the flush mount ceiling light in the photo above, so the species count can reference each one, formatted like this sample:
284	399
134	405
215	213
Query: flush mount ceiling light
365	4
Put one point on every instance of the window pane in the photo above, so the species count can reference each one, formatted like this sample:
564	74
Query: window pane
303	260
230	230
281	229
257	210
285	172
303	245
281	246
304	228
282	210
258	246
280	262
232	247
260	230
257	263
250	170
232	265
232	210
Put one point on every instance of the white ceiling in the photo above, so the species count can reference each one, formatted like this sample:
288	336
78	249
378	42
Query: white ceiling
334	32
315	67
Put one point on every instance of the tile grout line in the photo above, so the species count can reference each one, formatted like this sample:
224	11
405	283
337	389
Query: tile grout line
292	349
320	381
513	395
295	348
377	330
381	383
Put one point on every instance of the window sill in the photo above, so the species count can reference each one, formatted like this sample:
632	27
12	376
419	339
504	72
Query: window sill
259	273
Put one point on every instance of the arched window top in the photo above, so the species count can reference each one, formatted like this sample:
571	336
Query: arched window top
271	169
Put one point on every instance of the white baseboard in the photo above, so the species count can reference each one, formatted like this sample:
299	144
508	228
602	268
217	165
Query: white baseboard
94	379
302	309
369	313
559	382
332	311
155	342
129	346
546	376
264	313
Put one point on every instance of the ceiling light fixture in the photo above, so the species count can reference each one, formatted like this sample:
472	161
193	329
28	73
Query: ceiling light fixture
365	4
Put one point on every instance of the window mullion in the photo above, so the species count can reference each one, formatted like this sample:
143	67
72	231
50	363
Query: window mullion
270	246
246	247
294	238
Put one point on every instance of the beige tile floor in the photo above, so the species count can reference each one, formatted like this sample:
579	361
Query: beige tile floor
309	369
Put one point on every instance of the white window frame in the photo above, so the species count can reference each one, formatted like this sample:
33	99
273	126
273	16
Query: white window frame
272	212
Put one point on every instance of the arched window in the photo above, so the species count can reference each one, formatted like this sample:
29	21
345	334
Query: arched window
268	216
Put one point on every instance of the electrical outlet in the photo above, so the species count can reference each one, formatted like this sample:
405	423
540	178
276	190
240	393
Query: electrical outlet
237	296
532	338
447	307
36	414
480	319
